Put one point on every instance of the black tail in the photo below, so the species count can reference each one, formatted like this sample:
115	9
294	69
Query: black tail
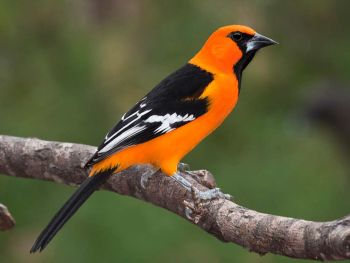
70	207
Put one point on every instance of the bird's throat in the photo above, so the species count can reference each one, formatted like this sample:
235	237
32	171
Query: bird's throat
241	65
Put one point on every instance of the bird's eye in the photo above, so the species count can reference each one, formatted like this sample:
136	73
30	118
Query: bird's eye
237	36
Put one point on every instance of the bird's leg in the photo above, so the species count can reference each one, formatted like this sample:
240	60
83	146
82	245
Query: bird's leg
202	195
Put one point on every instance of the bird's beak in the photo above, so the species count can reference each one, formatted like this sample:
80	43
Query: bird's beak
259	41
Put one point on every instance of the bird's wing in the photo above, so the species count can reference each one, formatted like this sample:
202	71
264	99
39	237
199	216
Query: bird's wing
171	104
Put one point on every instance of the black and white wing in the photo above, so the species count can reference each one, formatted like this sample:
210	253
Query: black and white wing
171	104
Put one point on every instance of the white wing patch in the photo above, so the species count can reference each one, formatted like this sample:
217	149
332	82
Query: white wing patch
122	137
128	130
138	116
167	120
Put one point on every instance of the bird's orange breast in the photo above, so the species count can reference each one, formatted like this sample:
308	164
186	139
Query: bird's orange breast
167	150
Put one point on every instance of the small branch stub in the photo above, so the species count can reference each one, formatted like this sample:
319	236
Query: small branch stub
6	219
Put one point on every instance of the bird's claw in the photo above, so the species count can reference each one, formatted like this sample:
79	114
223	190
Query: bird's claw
195	208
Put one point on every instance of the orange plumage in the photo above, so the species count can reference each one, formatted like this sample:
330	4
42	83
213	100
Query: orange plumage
218	56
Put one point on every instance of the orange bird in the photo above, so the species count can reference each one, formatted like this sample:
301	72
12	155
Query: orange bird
171	119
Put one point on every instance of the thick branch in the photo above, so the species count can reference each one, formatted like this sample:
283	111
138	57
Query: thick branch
229	222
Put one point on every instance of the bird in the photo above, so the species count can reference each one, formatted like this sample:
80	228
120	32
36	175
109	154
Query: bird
169	121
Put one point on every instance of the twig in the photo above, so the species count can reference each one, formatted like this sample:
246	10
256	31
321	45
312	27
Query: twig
229	222
6	219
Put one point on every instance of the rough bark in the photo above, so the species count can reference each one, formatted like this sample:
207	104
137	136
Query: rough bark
229	222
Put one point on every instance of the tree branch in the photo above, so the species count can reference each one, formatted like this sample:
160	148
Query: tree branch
229	222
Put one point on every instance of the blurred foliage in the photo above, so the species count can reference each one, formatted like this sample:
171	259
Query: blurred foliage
69	69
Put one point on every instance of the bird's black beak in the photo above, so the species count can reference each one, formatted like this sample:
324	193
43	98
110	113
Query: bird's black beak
259	41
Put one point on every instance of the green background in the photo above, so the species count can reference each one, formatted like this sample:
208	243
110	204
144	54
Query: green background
70	69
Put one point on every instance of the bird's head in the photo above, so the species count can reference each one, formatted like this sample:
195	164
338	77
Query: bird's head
231	48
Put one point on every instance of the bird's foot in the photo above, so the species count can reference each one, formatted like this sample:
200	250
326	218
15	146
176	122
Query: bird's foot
210	194
195	208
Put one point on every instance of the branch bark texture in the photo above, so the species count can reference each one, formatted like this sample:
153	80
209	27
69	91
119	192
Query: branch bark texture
226	220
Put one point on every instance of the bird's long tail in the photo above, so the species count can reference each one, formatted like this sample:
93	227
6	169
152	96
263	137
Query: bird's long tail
91	184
